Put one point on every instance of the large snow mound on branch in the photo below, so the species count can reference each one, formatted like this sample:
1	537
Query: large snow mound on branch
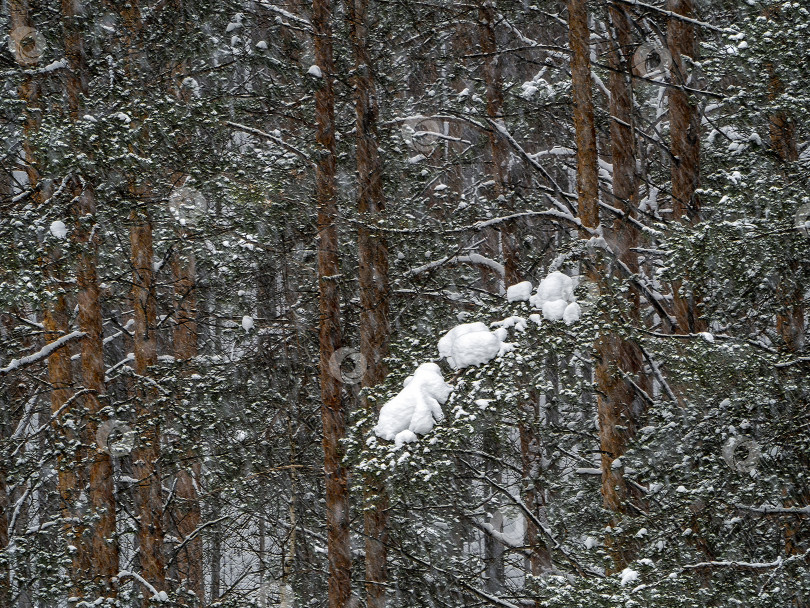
471	344
555	297
416	408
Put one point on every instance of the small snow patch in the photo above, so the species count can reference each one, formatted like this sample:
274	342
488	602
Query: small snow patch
58	229
315	71
520	292
628	575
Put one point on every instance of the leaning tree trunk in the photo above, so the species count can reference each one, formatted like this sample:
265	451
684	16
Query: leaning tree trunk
375	328
684	129
332	409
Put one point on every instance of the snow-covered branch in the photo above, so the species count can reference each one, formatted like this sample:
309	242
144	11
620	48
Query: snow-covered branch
472	258
43	353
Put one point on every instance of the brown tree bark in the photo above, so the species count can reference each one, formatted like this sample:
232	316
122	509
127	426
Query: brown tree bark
332	407
613	396
498	149
101	557
620	357
145	457
790	319
587	174
186	511
684	128
375	327
56	319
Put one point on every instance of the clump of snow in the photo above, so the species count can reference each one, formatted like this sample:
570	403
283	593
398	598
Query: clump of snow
58	229
247	322
556	286
520	292
555	297
315	71
416	408
707	336
471	344
572	313
628	575
554	310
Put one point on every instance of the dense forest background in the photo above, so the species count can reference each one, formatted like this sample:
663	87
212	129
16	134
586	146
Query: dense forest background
231	231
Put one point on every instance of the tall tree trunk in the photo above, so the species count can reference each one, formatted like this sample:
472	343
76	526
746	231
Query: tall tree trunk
587	175
102	556
790	319
684	128
620	357
332	408
56	319
375	327
498	149
149	501
611	401
187	503
145	457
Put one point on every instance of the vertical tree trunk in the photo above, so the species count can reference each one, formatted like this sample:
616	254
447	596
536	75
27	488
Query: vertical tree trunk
612	398
146	455
149	501
375	328
531	462
497	146
620	357
56	319
684	128
587	175
216	549
103	557
790	320
332	409
187	504
5	507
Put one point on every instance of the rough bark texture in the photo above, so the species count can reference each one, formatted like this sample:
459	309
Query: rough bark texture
103	545
684	128
498	149
790	321
587	175
145	457
613	394
186	510
375	327
101	557
531	460
620	357
332	409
